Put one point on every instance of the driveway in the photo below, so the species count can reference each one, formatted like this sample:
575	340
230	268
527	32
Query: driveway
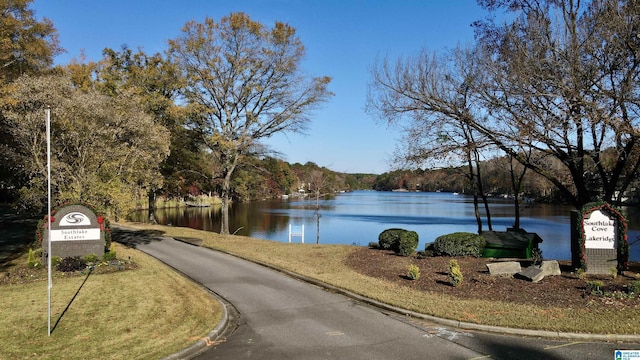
279	317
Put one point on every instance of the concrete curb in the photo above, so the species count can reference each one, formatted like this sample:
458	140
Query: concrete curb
202	344
452	323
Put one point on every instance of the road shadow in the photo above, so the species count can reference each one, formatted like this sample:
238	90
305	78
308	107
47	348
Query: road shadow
131	238
18	233
72	299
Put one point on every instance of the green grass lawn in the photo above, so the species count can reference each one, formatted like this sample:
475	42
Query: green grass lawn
145	313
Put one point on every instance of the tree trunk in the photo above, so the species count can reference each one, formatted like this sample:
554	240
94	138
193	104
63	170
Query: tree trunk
151	196
481	189
516	184
318	216
472	181
226	199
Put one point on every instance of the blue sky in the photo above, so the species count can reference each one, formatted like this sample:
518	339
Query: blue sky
343	38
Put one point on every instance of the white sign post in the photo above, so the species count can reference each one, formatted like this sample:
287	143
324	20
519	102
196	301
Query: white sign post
296	231
50	284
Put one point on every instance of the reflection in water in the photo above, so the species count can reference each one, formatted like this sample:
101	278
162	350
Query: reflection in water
358	217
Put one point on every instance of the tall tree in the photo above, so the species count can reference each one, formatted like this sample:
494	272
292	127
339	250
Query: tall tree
27	46
560	80
566	75
157	82
104	149
433	94
244	82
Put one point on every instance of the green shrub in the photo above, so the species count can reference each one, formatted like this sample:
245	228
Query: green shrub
91	258
108	256
594	287
401	241
459	244
32	262
389	239
55	261
455	275
413	272
634	287
408	243
614	272
374	245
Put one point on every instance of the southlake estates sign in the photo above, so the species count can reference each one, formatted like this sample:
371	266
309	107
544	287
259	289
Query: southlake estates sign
75	231
602	240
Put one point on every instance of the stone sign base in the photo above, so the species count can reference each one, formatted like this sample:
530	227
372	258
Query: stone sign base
65	249
601	261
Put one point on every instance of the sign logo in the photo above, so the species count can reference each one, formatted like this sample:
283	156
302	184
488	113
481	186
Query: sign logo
75	219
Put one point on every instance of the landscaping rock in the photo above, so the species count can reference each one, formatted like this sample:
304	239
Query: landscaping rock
508	268
551	267
532	273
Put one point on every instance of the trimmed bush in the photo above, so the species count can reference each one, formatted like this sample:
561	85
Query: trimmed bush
401	241
413	272
408	243
389	239
459	244
455	275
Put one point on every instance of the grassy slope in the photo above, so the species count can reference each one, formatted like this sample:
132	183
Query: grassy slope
144	313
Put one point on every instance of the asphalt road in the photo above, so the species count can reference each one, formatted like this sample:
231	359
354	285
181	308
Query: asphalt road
279	317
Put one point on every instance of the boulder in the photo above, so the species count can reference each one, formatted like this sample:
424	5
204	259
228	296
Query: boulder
508	268
532	273
550	267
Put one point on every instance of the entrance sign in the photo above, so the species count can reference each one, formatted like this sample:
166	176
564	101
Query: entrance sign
76	231
599	231
600	245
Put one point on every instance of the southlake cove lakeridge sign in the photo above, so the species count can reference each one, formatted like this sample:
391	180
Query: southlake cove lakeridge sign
602	240
75	231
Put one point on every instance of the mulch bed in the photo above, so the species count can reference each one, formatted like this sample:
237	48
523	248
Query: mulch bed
22	274
566	290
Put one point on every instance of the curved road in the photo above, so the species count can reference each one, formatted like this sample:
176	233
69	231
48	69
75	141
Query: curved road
284	318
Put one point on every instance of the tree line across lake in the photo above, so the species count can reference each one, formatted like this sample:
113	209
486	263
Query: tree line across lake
545	105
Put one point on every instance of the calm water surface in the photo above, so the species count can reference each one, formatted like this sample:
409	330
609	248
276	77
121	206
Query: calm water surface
358	217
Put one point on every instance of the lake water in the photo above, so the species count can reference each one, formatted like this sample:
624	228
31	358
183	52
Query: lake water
358	218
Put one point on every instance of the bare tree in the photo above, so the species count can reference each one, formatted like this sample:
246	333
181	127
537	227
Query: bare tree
565	75
244	84
319	183
433	94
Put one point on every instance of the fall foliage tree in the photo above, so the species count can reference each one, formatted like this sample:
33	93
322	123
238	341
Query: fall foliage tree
244	84
103	149
27	46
